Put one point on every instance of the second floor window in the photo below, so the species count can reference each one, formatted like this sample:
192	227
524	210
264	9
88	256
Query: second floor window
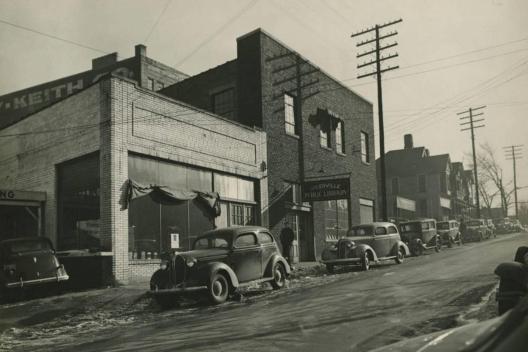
150	83
223	103
289	114
365	155
324	137
340	137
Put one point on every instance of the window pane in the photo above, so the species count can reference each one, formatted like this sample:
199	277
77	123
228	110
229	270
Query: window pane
223	103
245	240
222	220
340	146
199	180
264	237
143	170
323	138
144	228
245	190
172	175
365	157
78	202
289	114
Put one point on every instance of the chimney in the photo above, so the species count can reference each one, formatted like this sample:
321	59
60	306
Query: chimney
408	141
104	61
141	50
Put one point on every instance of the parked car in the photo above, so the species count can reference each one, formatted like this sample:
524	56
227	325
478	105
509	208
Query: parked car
449	232
517	226
506	333
503	225
491	228
28	262
420	235
220	262
366	244
476	230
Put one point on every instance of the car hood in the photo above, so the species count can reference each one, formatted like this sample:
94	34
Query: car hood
452	340
204	253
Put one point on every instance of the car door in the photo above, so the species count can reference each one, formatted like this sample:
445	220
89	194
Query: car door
268	247
394	237
381	241
246	257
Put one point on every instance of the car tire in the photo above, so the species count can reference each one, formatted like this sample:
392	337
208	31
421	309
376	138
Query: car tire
365	262
330	268
218	289
459	242
400	256
480	237
417	250
438	245
450	242
279	276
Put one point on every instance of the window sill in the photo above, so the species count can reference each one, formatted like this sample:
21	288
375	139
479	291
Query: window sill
340	153
365	163
325	148
293	135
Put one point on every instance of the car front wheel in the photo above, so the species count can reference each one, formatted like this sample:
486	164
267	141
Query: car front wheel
365	262
400	256
218	289
279	276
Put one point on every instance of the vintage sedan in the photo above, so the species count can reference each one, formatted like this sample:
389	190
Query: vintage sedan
28	262
220	262
366	244
449	232
420	235
476	230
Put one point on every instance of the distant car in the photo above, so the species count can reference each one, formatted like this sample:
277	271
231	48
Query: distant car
503	225
449	232
28	262
506	333
491	227
420	235
220	262
476	230
366	244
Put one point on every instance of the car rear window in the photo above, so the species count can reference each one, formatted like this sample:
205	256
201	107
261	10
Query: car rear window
211	242
473	223
410	227
443	225
360	231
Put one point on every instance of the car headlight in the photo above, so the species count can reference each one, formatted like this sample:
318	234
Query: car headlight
164	265
333	248
351	244
190	262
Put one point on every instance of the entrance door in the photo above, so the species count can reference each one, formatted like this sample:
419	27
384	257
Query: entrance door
306	239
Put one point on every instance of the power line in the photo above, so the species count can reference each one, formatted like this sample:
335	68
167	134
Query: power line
217	32
52	36
157	20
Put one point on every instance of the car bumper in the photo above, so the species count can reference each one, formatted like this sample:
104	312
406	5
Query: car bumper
35	282
341	261
176	290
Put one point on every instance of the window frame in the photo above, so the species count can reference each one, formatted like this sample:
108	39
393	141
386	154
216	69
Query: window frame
290	120
340	137
248	246
364	147
228	113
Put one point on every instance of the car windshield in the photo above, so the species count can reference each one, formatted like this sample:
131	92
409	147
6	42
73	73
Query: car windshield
410	227
473	223
27	245
212	241
360	231
443	226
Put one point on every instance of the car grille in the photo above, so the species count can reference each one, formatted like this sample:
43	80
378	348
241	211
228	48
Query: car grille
343	249
179	269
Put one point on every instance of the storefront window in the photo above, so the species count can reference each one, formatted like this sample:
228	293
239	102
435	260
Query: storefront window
78	204
336	217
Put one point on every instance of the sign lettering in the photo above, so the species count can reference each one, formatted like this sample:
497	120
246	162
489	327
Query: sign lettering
326	190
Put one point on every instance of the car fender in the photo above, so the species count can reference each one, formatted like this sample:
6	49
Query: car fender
276	258
215	267
362	248
399	245
329	254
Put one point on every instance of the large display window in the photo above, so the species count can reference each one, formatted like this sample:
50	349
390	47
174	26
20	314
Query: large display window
78	204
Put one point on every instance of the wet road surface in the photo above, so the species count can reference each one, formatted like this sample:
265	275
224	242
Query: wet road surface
348	311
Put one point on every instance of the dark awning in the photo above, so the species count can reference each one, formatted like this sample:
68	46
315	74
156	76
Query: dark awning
166	195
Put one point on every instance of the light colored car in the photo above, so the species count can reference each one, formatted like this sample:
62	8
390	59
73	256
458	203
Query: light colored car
449	232
366	244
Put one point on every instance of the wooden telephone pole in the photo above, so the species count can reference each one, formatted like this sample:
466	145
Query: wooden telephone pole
377	60
472	127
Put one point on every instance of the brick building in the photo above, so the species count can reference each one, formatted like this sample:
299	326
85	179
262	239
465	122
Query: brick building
71	164
319	132
461	187
417	176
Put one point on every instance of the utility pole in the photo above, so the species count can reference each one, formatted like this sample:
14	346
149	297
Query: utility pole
513	153
472	127
378	51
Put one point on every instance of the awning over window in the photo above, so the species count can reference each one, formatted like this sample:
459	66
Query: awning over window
165	195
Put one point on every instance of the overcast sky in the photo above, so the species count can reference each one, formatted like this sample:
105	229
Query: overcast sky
453	54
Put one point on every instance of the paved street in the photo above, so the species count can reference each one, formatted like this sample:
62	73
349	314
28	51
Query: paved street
351	310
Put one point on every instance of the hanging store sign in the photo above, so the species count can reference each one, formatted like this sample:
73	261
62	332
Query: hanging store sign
326	190
405	204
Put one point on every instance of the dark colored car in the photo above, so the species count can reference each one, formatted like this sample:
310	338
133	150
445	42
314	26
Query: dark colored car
503	225
420	235
220	262
476	230
449	232
366	244
506	333
28	262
